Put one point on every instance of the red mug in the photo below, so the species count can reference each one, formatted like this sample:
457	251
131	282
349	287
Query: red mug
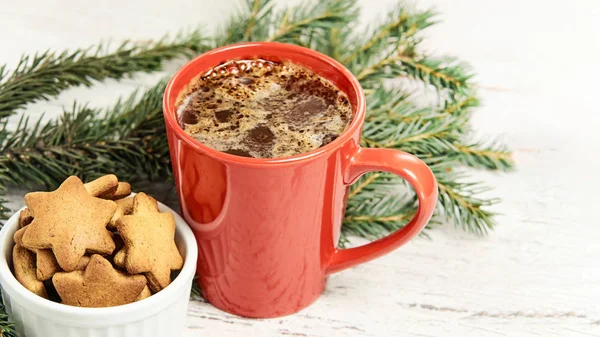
267	229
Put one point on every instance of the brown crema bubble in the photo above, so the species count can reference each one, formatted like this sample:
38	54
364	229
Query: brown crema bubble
189	117
246	80
263	109
238	152
222	115
329	138
260	135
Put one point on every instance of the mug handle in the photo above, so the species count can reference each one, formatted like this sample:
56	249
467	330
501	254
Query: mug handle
418	175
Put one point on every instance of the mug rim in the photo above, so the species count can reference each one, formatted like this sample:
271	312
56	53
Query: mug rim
270	49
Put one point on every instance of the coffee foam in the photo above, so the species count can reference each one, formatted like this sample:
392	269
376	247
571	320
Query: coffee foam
263	109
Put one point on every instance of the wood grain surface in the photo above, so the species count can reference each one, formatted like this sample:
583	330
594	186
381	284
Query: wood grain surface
538	273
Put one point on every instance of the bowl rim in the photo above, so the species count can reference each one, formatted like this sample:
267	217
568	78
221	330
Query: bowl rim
72	315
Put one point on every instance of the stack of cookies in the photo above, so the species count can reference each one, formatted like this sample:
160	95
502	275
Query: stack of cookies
93	245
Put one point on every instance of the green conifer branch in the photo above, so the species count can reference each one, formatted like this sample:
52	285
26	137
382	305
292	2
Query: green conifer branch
322	16
464	104
7	327
491	156
256	7
43	76
459	202
378	204
436	135
251	22
382	203
127	139
398	33
445	74
260	20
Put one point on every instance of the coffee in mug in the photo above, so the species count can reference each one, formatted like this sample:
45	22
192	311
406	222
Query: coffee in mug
263	109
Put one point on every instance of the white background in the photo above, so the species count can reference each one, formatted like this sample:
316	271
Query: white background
538	273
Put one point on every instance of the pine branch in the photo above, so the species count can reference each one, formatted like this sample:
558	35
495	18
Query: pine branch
381	203
378	203
7	327
459	202
389	51
446	75
43	76
443	73
433	137
465	104
311	18
127	140
437	136
491	156
256	7
398	33
259	20
251	22
395	122
5	212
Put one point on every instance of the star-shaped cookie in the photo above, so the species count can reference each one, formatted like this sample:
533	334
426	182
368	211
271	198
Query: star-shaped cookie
24	267
69	221
25	217
100	285
45	261
149	238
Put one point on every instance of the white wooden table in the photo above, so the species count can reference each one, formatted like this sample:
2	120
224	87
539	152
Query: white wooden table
537	274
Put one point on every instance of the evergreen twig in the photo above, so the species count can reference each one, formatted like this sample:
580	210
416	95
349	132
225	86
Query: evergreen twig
297	22
491	156
459	202
7	327
437	135
43	76
259	20
445	74
251	22
377	205
127	139
399	32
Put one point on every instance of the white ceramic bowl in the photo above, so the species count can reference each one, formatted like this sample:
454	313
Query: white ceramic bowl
160	315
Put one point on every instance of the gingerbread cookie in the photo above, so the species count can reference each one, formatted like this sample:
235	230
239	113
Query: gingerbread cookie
119	258
122	191
70	221
149	238
46	264
145	294
124	207
25	271
103	187
100	285
112	223
119	244
25	217
45	261
83	263
18	236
